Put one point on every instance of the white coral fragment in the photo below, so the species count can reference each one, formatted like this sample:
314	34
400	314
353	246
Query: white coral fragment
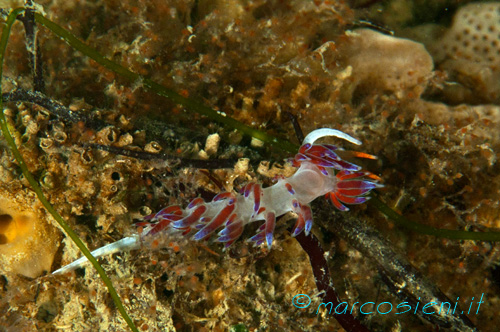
386	63
473	35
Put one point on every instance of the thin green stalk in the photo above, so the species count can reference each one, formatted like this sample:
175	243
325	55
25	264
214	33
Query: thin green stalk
8	137
424	229
190	104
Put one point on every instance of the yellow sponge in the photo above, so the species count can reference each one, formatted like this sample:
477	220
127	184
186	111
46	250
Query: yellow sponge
28	241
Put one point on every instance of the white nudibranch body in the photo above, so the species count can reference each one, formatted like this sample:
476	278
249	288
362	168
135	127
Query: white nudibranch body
320	172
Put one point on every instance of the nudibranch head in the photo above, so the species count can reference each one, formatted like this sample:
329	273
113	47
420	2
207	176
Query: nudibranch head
347	182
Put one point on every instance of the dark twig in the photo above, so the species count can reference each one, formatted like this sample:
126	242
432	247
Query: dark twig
402	278
162	157
312	247
33	46
370	25
54	107
296	126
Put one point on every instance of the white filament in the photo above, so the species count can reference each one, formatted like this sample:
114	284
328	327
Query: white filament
324	132
127	243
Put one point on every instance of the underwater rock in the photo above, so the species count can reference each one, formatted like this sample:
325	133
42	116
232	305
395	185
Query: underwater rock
473	35
469	52
385	63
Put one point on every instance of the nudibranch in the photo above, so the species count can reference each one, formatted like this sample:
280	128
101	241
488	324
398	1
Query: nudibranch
321	172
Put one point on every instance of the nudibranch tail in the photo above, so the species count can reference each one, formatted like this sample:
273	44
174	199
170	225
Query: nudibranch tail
321	172
125	244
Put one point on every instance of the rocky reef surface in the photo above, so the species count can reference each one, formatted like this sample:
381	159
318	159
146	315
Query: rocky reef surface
424	100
